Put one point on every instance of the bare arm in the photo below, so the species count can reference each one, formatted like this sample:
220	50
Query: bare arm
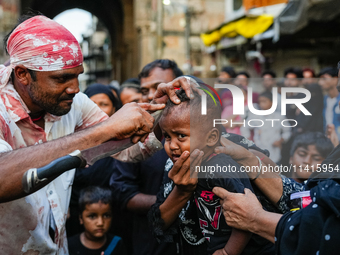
130	120
141	203
270	183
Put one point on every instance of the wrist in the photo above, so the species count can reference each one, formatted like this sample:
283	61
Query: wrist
183	192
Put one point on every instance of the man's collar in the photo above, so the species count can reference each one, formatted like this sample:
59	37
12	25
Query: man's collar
16	107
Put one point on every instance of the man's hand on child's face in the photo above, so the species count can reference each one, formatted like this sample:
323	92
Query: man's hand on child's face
182	168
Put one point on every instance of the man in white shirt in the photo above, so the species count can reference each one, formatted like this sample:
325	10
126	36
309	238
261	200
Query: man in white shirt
40	105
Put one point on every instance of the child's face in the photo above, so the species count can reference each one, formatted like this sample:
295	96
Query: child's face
306	158
96	219
176	130
265	103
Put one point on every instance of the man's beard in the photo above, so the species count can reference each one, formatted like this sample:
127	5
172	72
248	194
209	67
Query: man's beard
42	99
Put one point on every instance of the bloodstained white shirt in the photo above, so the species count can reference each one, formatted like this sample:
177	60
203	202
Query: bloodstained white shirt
25	222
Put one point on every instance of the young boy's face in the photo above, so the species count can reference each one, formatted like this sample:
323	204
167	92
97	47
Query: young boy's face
96	219
265	103
176	130
307	158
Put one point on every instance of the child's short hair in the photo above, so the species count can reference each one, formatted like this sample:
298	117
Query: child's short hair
92	195
195	106
323	144
268	95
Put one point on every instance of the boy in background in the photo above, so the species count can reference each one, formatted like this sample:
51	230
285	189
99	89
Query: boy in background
96	216
272	134
308	151
186	129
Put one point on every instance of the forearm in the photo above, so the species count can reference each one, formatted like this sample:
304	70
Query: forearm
265	224
268	182
15	163
172	206
237	242
141	203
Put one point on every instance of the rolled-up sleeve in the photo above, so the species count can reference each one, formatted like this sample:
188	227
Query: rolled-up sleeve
124	182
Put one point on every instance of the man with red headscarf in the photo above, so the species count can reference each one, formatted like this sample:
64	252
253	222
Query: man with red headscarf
39	102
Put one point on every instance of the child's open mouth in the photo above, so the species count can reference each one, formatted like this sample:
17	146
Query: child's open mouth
175	157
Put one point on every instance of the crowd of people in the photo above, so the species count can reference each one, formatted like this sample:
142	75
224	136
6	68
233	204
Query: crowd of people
150	198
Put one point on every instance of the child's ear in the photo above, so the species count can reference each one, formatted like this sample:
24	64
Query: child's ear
81	219
213	137
291	160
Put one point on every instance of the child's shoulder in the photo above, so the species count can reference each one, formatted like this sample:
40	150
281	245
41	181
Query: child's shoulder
221	159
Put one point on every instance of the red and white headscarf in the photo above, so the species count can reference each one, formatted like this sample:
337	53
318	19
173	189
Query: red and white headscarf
41	44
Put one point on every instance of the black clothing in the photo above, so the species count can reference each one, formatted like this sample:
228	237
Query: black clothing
134	178
210	215
185	230
314	229
77	248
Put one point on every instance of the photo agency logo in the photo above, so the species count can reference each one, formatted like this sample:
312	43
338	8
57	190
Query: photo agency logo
239	105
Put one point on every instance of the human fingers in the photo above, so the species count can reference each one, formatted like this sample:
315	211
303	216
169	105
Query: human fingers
196	160
178	164
151	107
221	192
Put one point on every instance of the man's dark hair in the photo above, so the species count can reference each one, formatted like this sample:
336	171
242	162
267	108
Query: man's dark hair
332	71
162	63
27	15
92	195
243	73
269	72
323	144
229	70
293	70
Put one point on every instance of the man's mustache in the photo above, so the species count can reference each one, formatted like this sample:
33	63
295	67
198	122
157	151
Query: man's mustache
67	97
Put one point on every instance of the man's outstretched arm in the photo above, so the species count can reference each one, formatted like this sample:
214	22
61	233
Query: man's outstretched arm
130	121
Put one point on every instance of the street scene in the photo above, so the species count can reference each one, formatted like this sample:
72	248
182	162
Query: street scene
164	127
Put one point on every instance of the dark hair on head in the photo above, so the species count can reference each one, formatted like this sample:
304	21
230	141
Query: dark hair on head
332	71
243	73
307	69
195	106
27	15
162	63
132	83
322	143
229	70
267	94
92	195
293	70
269	72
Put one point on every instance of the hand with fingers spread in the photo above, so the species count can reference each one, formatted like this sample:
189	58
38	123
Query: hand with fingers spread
184	186
166	91
237	152
182	169
132	120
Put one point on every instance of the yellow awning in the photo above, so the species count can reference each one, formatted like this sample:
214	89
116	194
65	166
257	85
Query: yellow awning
248	27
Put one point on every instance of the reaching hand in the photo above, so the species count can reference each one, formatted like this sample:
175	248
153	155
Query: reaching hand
239	210
132	120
